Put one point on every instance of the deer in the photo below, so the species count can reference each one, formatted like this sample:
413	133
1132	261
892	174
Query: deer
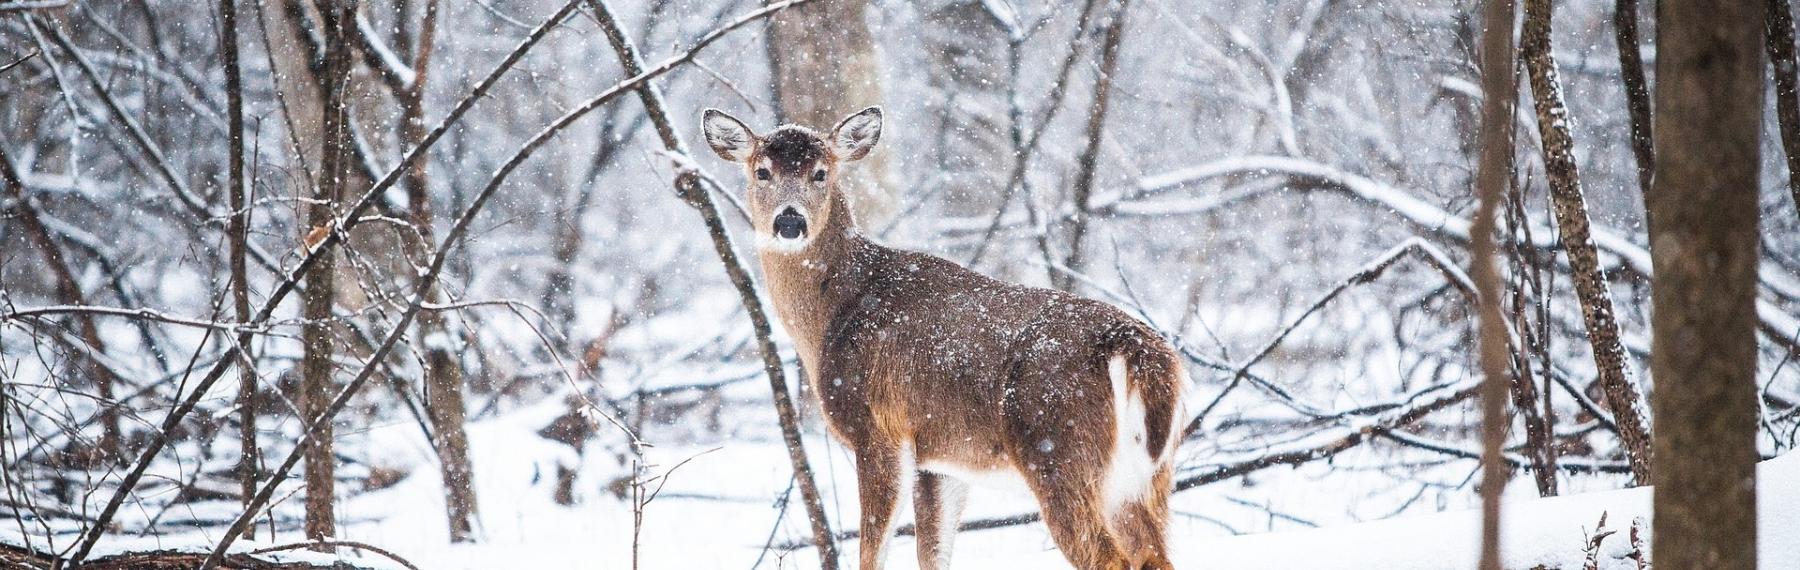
935	375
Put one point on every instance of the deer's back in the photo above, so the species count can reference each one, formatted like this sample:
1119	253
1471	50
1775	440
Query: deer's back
963	364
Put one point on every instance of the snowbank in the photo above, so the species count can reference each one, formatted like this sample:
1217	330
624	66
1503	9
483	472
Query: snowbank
1550	532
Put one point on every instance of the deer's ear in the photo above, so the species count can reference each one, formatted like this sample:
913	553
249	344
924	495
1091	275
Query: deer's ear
727	135
857	134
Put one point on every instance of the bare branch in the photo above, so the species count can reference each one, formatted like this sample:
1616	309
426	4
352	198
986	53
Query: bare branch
24	5
16	63
690	186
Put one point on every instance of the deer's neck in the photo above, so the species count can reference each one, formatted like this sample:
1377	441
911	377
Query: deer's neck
808	287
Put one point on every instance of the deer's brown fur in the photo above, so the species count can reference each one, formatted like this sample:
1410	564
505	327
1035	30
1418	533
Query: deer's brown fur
920	362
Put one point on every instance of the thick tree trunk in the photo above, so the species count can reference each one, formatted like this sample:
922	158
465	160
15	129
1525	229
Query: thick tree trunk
1497	81
1572	219
443	369
1779	22
317	385
1709	102
822	59
239	236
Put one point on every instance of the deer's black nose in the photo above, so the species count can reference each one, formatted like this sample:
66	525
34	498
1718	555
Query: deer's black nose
789	224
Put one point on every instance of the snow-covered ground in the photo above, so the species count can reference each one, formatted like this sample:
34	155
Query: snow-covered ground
717	511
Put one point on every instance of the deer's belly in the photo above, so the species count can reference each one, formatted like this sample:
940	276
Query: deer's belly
991	477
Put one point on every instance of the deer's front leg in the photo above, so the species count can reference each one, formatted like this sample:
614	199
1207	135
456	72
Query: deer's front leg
879	470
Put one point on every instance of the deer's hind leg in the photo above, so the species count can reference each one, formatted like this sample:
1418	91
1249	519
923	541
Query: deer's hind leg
1063	461
1073	510
938	506
1141	524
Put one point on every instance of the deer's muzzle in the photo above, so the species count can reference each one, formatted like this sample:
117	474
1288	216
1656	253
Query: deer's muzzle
789	224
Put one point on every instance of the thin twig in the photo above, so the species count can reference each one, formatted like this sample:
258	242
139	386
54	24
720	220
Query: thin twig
345	543
9	66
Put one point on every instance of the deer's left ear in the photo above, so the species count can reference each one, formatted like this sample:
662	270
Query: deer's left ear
726	135
857	134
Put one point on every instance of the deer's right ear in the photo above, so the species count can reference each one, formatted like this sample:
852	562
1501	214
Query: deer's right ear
727	135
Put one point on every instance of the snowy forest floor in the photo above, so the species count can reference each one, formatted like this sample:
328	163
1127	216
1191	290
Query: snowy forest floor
718	511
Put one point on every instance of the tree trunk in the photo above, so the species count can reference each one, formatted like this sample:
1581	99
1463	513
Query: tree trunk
68	292
1637	95
1497	81
239	236
968	103
1083	188
1709	102
822	60
443	369
317	385
1779	22
1572	219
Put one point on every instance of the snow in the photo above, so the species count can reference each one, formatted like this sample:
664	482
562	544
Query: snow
1224	197
1550	532
717	511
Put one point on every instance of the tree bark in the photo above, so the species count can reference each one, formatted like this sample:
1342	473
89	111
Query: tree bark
1637	95
823	62
1779	22
239	236
317	385
1083	188
443	369
1493	176
1709	102
1572	219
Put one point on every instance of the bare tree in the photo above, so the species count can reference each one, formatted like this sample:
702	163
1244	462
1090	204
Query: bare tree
1493	175
824	66
968	101
317	369
443	368
239	236
1637	93
67	288
1709	103
1082	190
1584	261
1778	19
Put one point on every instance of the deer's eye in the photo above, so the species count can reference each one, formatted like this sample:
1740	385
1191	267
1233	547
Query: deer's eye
819	175
762	174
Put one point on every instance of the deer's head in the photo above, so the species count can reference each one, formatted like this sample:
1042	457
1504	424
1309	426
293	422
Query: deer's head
792	172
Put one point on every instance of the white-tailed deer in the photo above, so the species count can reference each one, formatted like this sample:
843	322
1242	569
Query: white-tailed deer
925	367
